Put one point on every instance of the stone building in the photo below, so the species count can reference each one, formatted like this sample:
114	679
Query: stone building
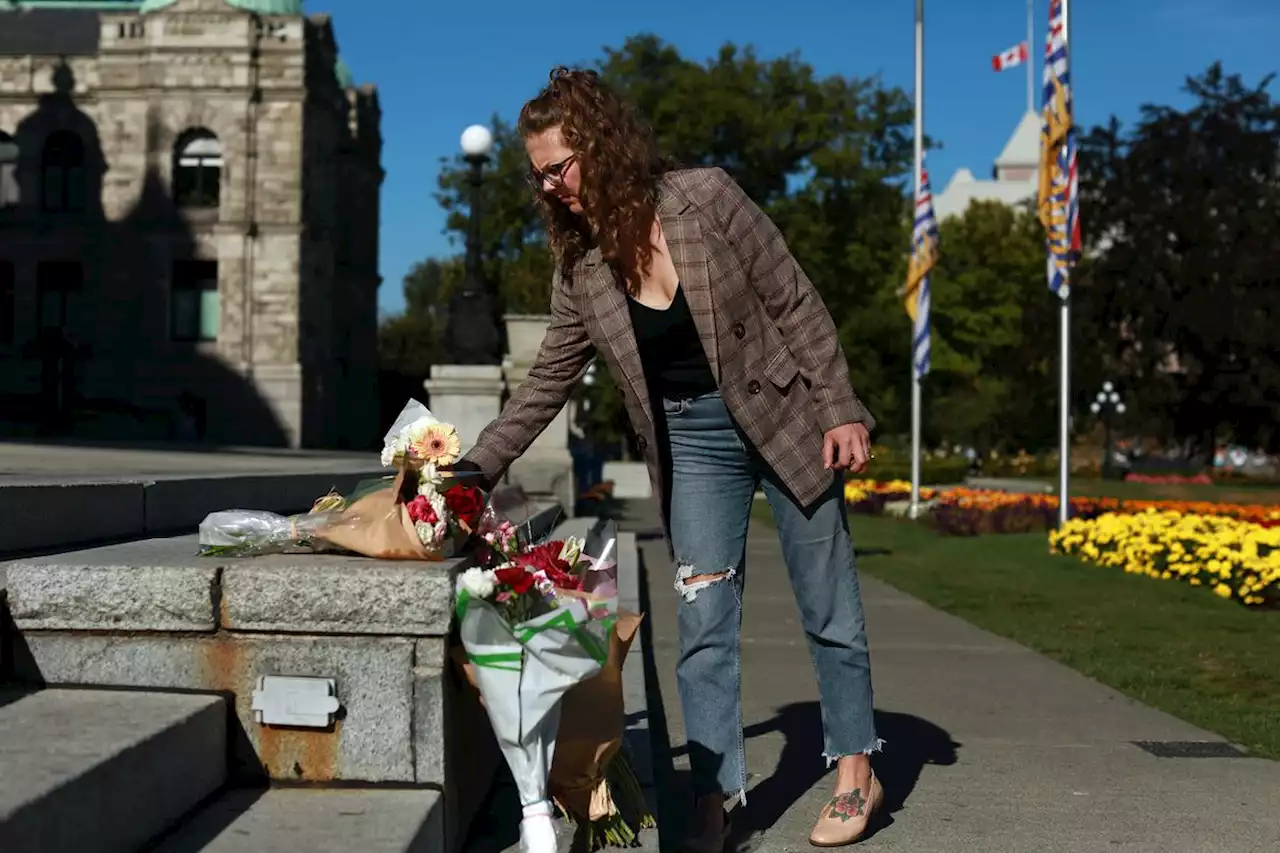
1014	176
189	198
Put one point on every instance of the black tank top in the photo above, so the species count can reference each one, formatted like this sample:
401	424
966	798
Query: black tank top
675	365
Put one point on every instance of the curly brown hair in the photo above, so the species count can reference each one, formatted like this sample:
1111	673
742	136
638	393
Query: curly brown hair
619	164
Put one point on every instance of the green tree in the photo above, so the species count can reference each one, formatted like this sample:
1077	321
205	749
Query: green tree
410	342
1183	213
993	381
428	284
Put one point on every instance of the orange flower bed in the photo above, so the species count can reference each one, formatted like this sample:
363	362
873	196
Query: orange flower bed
990	500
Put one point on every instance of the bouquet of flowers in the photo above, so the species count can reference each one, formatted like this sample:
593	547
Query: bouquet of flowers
410	515
544	644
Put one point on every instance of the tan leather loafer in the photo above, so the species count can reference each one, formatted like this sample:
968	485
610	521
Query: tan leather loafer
846	816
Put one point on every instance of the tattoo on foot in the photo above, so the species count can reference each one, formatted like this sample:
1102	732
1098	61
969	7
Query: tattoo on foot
847	806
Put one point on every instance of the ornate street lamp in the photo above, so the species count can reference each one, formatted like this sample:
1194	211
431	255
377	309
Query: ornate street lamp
1107	405
474	335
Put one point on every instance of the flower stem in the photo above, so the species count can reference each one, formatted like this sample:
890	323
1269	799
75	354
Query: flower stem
619	829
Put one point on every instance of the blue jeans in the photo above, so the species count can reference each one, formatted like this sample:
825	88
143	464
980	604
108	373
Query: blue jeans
714	475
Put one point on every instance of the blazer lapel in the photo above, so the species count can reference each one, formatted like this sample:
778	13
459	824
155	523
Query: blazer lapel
609	304
689	254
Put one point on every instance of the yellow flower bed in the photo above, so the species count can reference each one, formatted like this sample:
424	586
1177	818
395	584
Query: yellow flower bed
860	490
1236	559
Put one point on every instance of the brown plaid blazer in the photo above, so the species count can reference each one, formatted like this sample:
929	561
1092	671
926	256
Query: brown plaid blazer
769	338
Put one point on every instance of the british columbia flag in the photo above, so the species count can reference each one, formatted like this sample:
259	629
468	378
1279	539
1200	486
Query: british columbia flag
924	255
1059	198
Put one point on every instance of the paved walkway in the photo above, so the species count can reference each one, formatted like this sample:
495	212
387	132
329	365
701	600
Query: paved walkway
991	748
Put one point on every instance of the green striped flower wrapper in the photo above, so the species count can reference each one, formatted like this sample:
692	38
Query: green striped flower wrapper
523	672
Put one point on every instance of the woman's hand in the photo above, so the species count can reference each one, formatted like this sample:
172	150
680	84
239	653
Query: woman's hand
472	474
848	446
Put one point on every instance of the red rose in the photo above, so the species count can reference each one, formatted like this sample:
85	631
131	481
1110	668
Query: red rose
515	578
546	558
466	503
421	510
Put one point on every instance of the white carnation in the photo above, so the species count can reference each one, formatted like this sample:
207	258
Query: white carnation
429	480
388	456
427	533
396	447
478	583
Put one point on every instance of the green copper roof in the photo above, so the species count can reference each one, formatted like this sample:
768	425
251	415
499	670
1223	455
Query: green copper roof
260	7
269	7
345	78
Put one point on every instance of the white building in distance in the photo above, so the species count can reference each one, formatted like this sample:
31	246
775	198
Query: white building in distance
1014	177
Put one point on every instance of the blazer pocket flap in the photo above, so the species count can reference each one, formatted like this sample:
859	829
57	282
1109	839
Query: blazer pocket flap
782	368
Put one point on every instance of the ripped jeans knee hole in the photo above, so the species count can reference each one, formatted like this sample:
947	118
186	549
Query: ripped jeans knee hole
690	582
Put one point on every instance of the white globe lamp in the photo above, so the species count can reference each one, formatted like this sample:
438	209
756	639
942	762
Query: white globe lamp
477	141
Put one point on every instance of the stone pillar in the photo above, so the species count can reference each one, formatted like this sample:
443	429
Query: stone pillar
469	396
546	467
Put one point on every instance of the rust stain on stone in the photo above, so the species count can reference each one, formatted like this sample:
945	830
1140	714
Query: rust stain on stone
224	666
286	753
224	615
305	755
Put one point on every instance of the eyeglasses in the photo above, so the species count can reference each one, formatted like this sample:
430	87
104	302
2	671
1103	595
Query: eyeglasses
553	173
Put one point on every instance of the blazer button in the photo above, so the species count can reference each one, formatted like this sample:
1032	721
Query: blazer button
739	331
753	387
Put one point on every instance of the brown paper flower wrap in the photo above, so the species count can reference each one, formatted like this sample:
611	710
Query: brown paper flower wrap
378	525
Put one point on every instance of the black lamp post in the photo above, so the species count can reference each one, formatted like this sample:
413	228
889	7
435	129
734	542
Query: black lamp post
474	335
1107	405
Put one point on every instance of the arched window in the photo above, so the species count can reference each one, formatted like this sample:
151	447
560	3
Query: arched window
197	169
9	193
62	172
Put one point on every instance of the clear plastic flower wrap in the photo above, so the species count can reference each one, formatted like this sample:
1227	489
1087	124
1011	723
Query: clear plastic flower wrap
510	522
252	532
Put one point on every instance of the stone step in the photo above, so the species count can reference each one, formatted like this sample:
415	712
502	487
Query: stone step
287	820
45	514
96	771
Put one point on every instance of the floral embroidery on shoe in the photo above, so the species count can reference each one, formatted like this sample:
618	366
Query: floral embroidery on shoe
847	806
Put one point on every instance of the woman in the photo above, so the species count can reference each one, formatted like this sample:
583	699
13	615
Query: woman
733	377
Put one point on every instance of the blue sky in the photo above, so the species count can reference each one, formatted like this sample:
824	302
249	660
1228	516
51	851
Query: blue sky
442	66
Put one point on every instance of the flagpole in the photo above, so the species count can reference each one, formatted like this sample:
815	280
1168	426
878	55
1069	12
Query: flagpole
1031	52
1064	379
913	509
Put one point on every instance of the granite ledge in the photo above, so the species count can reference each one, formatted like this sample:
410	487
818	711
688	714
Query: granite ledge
163	585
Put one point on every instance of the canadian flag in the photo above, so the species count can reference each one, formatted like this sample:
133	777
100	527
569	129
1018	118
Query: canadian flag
1011	58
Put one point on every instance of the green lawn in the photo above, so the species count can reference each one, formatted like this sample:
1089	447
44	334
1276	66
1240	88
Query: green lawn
1175	647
